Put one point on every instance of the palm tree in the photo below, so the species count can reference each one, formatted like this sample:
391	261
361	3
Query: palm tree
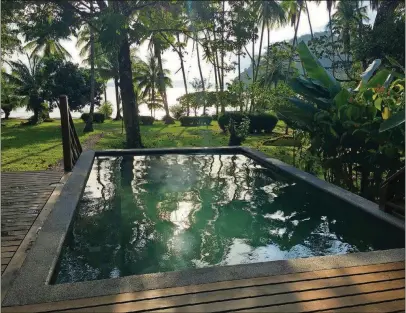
9	100
147	77
180	54
346	20
293	11
270	13
330	4
157	46
89	122
47	46
308	18
107	66
200	71
106	62
27	83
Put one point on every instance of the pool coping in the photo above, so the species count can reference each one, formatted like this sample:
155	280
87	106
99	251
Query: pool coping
32	283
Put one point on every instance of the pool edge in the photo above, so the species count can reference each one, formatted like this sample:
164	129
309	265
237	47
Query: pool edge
31	286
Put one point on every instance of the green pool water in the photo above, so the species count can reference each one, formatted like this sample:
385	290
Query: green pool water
148	214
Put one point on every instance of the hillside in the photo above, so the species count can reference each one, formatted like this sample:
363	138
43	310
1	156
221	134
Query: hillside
247	73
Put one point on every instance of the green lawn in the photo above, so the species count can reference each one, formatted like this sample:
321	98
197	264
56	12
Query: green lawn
28	148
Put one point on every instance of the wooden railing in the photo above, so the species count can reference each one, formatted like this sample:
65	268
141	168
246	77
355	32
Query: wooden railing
392	193
70	140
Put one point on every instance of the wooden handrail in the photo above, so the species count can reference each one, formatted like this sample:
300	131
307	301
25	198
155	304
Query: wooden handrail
70	140
386	196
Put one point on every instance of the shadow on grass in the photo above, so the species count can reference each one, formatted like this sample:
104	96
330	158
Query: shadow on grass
152	131
31	154
180	134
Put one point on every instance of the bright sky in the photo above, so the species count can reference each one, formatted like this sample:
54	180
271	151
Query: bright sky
319	19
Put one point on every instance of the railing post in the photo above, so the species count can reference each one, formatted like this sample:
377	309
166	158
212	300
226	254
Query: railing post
66	139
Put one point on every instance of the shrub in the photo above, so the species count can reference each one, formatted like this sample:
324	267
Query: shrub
195	120
238	132
147	120
177	111
258	122
214	117
97	117
107	109
168	119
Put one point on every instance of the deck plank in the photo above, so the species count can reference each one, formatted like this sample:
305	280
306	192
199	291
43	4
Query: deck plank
387	306
335	303
292	291
23	196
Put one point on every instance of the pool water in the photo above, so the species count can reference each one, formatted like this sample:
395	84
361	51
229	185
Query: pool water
148	214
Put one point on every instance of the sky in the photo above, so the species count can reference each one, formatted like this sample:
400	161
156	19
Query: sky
319	20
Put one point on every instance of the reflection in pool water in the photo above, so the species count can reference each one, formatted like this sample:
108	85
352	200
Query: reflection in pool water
147	214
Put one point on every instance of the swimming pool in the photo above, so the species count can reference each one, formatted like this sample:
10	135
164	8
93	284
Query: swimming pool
219	214
161	213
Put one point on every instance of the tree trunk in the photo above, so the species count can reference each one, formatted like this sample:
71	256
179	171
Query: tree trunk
385	10
267	50
130	106
201	75
183	74
360	35
239	81
89	122
222	47
217	89
105	92
153	95
308	17
259	52
220	82
6	114
253	71
294	42
162	88
332	40
118	114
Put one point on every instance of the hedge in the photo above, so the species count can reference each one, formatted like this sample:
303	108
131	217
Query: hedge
195	120
147	120
97	117
258	122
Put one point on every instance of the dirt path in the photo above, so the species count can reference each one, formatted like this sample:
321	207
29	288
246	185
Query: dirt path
88	144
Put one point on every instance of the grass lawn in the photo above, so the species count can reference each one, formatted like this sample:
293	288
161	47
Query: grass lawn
29	148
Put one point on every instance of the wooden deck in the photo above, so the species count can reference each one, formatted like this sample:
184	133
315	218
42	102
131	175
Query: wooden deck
370	288
23	195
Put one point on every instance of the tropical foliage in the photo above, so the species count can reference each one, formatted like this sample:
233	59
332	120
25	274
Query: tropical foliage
348	131
343	126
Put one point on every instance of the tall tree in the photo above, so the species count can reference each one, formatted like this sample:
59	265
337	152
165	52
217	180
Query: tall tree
147	77
200	72
27	82
130	106
270	14
293	10
309	19
182	66
89	122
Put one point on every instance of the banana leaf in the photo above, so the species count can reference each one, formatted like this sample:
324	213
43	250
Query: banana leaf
302	105
395	63
378	79
311	92
342	97
393	121
316	71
